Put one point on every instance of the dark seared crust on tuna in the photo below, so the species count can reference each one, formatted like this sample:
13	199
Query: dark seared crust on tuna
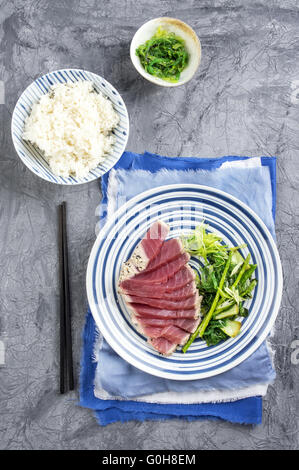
128	270
139	258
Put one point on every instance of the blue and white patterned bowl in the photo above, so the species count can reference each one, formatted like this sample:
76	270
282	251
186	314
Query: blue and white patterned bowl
33	158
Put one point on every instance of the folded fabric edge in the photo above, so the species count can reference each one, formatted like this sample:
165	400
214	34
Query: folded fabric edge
88	366
191	398
248	411
269	161
128	158
105	419
146	161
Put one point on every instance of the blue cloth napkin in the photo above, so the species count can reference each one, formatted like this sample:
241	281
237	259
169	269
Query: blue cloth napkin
248	410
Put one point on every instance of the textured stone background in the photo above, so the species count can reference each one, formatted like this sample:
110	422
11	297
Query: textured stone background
242	101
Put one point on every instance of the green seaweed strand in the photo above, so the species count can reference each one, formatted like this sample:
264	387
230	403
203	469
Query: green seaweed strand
164	55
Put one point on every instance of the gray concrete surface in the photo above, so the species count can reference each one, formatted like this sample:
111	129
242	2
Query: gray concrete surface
242	101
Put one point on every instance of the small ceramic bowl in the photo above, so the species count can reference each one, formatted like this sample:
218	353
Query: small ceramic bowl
33	157
192	43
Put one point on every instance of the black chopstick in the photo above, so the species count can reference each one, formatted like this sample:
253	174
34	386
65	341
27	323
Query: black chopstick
66	356
63	370
68	325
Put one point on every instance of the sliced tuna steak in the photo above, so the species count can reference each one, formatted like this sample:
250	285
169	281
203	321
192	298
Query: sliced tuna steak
159	289
180	279
190	302
163	273
170	250
145	251
185	324
170	332
149	291
140	310
150	331
163	346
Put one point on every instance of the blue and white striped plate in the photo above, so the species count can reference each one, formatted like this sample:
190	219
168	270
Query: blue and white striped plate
33	157
183	208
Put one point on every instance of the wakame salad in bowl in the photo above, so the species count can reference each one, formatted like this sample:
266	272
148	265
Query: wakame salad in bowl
166	51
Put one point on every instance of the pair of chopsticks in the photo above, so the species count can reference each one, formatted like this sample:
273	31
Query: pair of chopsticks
66	357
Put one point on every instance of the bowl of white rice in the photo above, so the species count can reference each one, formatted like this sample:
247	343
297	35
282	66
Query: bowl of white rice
70	126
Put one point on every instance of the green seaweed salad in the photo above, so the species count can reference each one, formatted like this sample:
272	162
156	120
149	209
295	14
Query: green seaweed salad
225	281
164	55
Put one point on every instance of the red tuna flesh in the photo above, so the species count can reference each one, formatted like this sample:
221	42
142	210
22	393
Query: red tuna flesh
149	291
185	304
152	312
163	346
163	273
180	279
185	324
146	250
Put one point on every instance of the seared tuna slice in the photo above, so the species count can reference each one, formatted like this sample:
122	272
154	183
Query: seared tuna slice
175	335
140	310
170	332
163	346
163	273
191	302
150	331
150	245
170	250
145	251
149	291
159	289
180	279
185	324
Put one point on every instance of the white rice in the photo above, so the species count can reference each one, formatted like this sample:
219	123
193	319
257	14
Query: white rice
72	125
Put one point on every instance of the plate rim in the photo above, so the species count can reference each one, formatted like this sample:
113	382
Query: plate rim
169	375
